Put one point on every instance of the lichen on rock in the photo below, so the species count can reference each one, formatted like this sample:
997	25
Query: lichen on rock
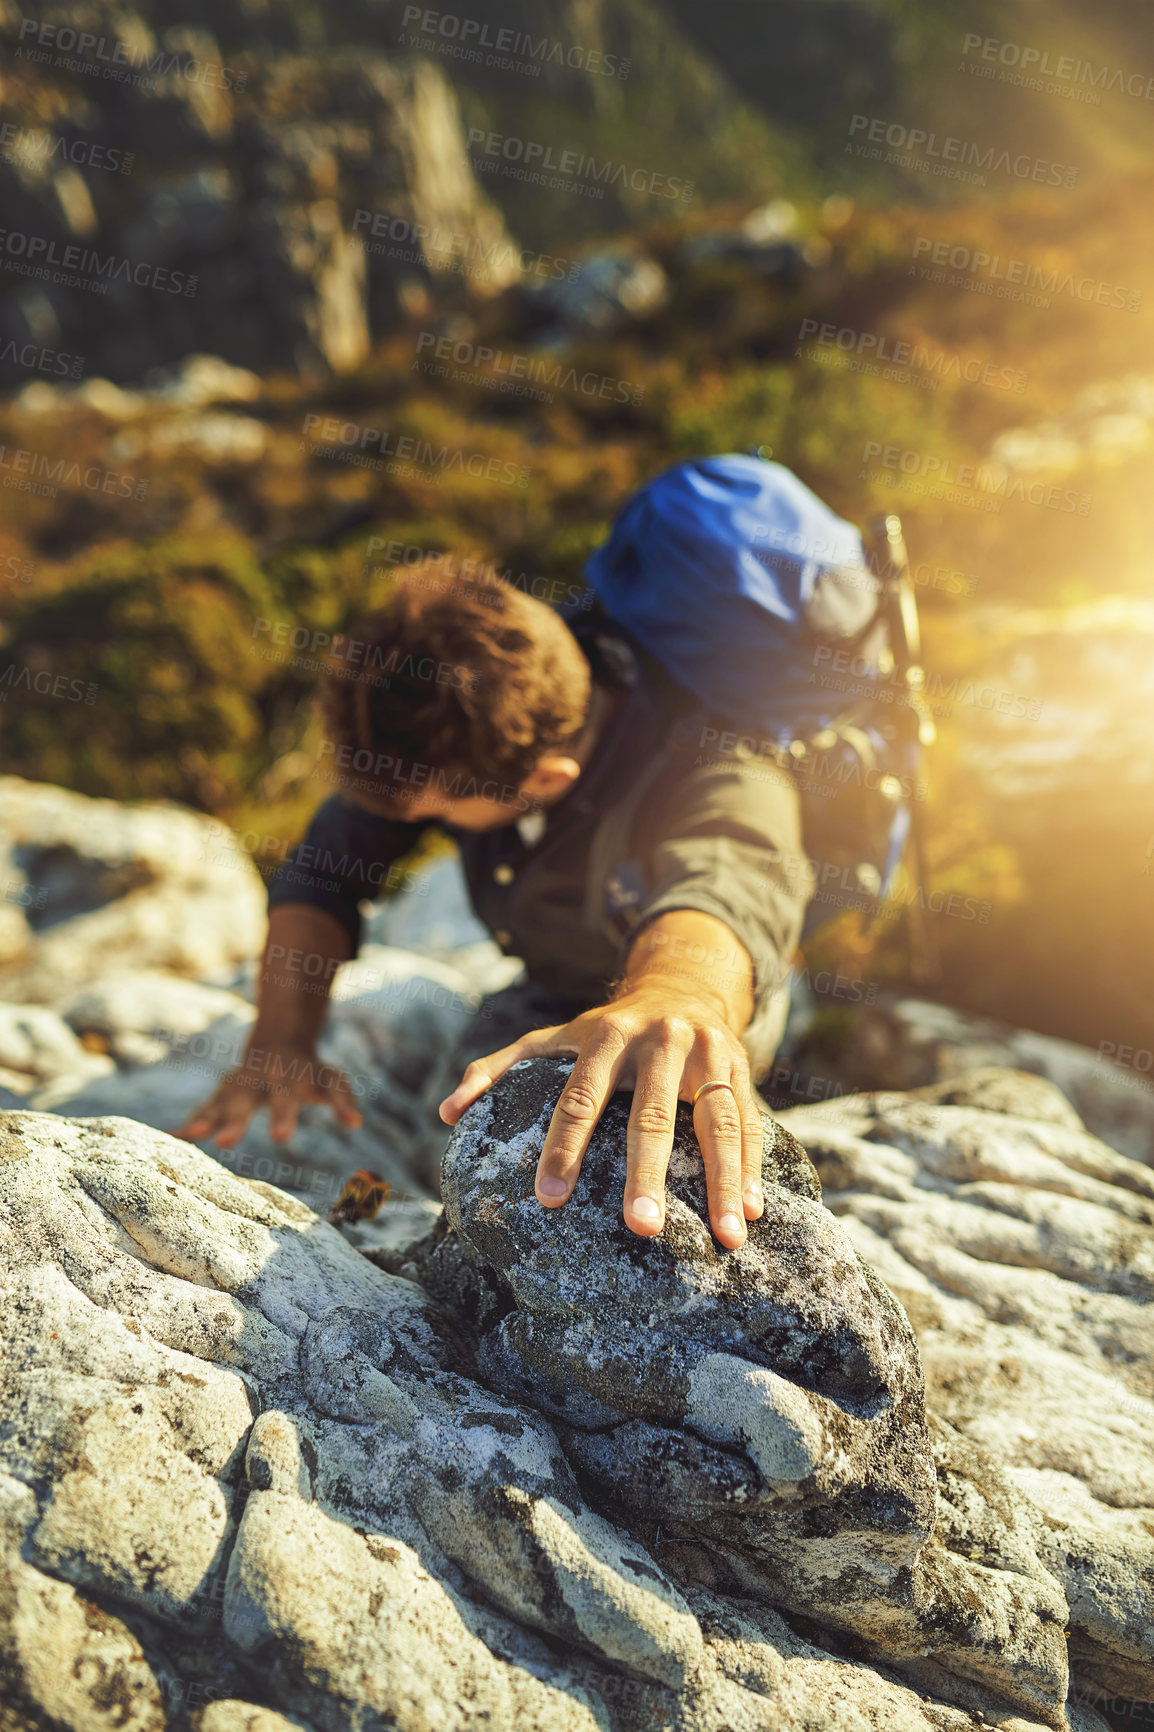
762	1408
552	1477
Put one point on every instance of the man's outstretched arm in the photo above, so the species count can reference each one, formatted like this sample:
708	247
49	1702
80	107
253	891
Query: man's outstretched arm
314	925
280	1068
674	1023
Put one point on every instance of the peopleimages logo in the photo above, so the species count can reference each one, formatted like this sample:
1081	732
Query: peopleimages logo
512	50
516	374
980	479
18	890
83	267
1063	68
14	678
17	570
350	442
110	55
457	250
1016	278
899	354
36	472
386	774
451	574
37	358
41	149
943	151
526	158
357	653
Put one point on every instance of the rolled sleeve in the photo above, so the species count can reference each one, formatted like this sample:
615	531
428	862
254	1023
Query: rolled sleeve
342	861
730	844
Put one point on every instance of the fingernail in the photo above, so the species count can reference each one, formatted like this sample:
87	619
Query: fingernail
645	1209
731	1224
754	1199
552	1187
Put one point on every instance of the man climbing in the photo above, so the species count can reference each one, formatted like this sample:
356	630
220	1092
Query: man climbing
616	833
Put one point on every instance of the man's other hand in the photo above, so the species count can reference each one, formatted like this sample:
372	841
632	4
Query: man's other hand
667	1043
281	1078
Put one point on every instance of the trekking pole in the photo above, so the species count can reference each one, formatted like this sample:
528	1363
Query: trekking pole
900	604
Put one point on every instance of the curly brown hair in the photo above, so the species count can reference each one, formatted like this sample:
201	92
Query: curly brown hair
473	681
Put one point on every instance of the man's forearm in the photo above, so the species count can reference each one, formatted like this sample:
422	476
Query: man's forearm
700	956
305	948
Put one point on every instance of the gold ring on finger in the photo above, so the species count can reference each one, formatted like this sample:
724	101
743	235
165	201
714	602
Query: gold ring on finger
717	1083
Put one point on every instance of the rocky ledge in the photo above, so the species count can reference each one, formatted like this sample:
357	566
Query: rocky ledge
534	1472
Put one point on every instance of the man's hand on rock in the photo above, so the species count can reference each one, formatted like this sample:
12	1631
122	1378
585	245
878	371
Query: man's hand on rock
281	1069
667	1039
281	1078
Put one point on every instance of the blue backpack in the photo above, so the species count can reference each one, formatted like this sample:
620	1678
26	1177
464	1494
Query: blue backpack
759	601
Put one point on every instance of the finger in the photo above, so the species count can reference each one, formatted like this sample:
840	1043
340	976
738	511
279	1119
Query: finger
752	1145
283	1112
483	1072
649	1140
333	1089
717	1122
235	1111
579	1106
199	1124
343	1101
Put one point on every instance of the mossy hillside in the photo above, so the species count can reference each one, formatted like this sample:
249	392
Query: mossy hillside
172	603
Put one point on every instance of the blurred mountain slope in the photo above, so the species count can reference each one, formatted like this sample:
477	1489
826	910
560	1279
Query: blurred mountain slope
813	64
168	193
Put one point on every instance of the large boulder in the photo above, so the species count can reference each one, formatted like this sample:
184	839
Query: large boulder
139	1015
1022	1249
37	1046
757	1415
276	200
901	1043
394	1019
101	886
119	905
248	1482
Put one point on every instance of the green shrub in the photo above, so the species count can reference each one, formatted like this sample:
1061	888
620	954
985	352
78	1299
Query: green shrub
164	645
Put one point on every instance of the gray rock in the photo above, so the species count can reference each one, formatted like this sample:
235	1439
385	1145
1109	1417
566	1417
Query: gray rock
64	1661
392	1014
762	1408
1023	1251
766	240
110	886
248	1480
234	1716
300	199
37	1046
604	294
912	1044
995	1090
140	1012
194	1300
